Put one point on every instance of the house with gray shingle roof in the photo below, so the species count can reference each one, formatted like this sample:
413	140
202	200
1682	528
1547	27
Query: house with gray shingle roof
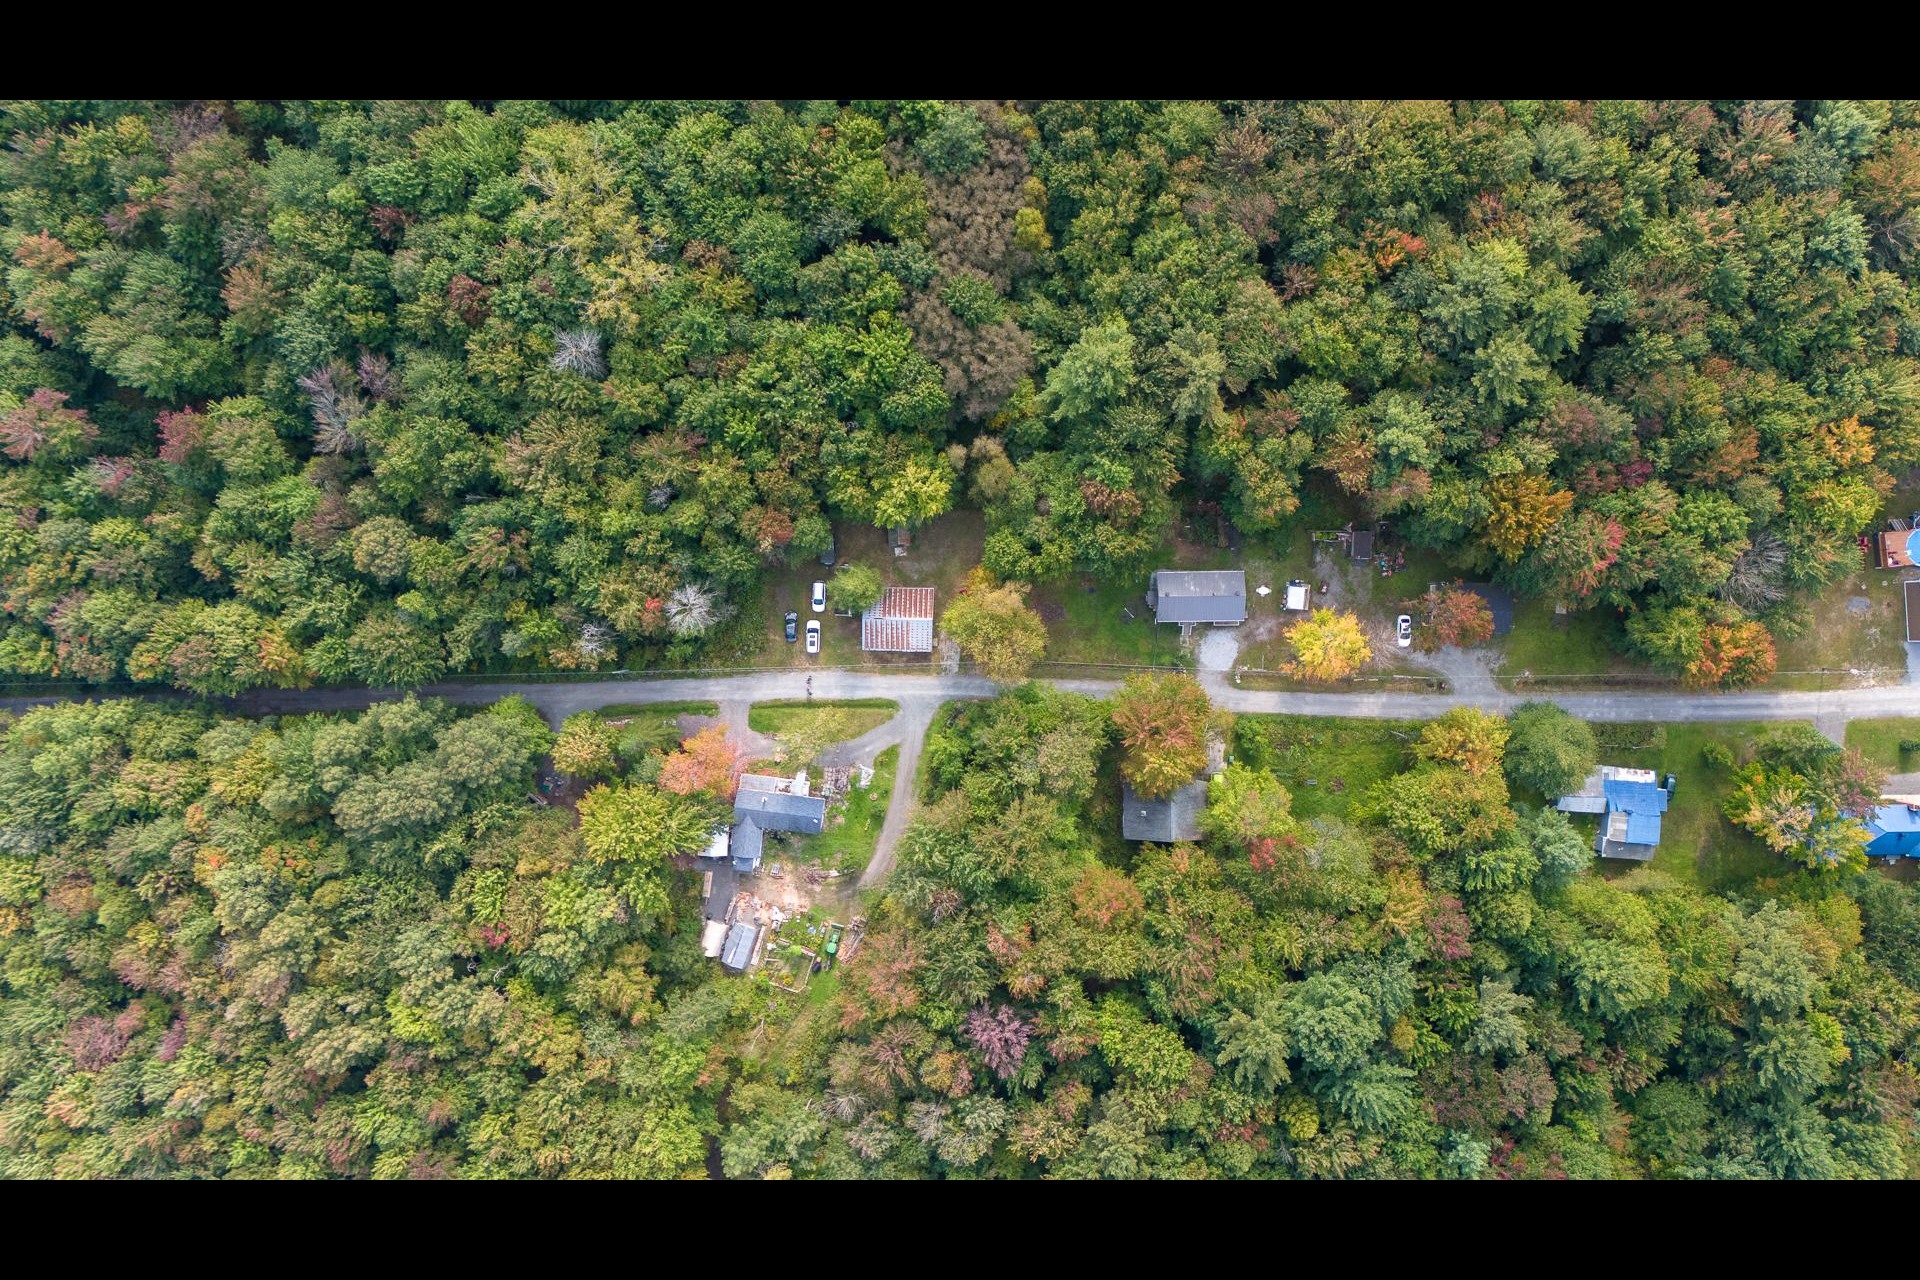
1188	596
1166	821
764	804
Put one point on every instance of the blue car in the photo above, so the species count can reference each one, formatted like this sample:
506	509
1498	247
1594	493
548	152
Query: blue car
793	627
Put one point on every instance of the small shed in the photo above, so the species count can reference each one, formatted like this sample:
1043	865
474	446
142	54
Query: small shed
1360	545
1299	595
713	938
1898	548
737	953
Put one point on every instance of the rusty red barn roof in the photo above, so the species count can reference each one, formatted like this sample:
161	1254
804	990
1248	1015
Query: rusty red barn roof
902	622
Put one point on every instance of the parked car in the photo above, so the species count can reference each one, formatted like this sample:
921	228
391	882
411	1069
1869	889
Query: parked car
793	627
819	597
826	557
813	635
1403	630
1667	786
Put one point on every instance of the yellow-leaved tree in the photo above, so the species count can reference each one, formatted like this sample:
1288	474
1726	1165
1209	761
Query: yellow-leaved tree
1327	645
995	627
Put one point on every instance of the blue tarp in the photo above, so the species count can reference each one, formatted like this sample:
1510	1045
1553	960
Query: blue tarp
1643	828
1634	797
1642	802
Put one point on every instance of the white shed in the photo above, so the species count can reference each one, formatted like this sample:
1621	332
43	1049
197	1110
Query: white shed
1297	595
713	937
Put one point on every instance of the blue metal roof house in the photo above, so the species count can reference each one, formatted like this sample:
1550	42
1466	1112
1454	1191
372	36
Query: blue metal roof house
1893	831
1630	805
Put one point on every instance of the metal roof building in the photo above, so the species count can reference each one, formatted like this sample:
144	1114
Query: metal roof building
741	940
901	622
1893	831
1499	603
1186	596
1630	805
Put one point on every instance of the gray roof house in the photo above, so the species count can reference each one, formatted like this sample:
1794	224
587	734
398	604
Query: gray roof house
771	804
1168	821
1186	596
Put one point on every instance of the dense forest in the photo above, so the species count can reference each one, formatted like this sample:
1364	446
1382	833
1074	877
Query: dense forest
319	392
348	946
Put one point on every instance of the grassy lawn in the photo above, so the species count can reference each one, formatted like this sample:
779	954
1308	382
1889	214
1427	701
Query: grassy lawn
1582	645
943	551
1842	638
657	710
1872	639
1326	762
853	828
1879	741
797	715
1697	844
821	989
1087	622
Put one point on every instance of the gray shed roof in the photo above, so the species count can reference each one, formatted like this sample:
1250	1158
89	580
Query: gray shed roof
1167	821
1187	595
737	954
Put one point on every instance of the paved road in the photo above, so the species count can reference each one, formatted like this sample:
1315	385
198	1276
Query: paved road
920	696
557	701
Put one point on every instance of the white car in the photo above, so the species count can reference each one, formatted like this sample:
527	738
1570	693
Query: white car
819	597
813	635
1403	631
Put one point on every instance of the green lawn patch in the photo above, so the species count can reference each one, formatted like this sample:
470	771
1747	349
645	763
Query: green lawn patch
663	710
1582	644
853	826
792	715
1093	625
1326	762
1879	741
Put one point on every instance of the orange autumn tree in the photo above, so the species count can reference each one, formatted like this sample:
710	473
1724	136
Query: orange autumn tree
1455	616
1162	721
1733	654
707	761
